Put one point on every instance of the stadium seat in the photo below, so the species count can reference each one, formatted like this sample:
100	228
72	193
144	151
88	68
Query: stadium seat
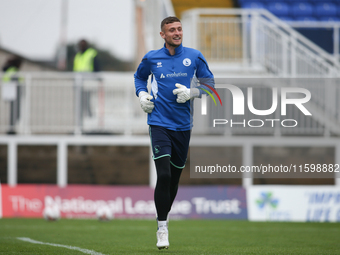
279	8
246	2
330	19
306	19
325	10
241	2
302	9
286	18
253	5
322	1
293	1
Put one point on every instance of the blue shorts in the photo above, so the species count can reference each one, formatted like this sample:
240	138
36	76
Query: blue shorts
174	144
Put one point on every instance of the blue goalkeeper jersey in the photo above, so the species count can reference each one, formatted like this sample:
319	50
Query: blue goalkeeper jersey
166	71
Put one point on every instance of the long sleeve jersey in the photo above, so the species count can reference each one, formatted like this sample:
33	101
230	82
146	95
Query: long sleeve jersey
167	70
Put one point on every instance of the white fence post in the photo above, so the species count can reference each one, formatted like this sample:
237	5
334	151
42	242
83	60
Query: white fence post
78	104
245	23
27	116
247	160
12	163
62	164
253	38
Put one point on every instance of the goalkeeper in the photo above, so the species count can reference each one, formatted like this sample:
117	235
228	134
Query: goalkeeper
172	68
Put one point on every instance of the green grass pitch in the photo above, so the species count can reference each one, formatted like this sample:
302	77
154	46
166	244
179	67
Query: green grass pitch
186	237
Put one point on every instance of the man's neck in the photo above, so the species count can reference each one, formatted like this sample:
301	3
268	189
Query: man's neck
172	49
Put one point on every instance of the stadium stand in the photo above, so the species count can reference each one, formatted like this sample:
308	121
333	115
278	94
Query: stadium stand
325	10
305	11
279	8
314	10
253	5
302	10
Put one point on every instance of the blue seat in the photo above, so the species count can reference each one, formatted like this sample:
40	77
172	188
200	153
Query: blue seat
286	18
325	10
302	9
265	2
253	5
293	1
305	18
330	19
245	2
322	1
279	8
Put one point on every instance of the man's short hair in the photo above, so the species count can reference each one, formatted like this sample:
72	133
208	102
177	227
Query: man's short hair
168	20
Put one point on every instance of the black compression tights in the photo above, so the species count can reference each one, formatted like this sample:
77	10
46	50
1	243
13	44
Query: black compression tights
166	186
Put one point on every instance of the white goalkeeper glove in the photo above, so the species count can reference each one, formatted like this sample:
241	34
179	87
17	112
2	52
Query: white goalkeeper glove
184	94
145	103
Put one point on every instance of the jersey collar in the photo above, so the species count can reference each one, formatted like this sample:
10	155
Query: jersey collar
178	50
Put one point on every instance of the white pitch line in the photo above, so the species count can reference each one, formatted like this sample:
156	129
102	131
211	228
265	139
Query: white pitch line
86	251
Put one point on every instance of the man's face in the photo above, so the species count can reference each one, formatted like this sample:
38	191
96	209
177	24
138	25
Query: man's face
82	45
172	33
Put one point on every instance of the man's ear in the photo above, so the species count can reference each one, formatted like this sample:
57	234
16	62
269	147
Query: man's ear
162	34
